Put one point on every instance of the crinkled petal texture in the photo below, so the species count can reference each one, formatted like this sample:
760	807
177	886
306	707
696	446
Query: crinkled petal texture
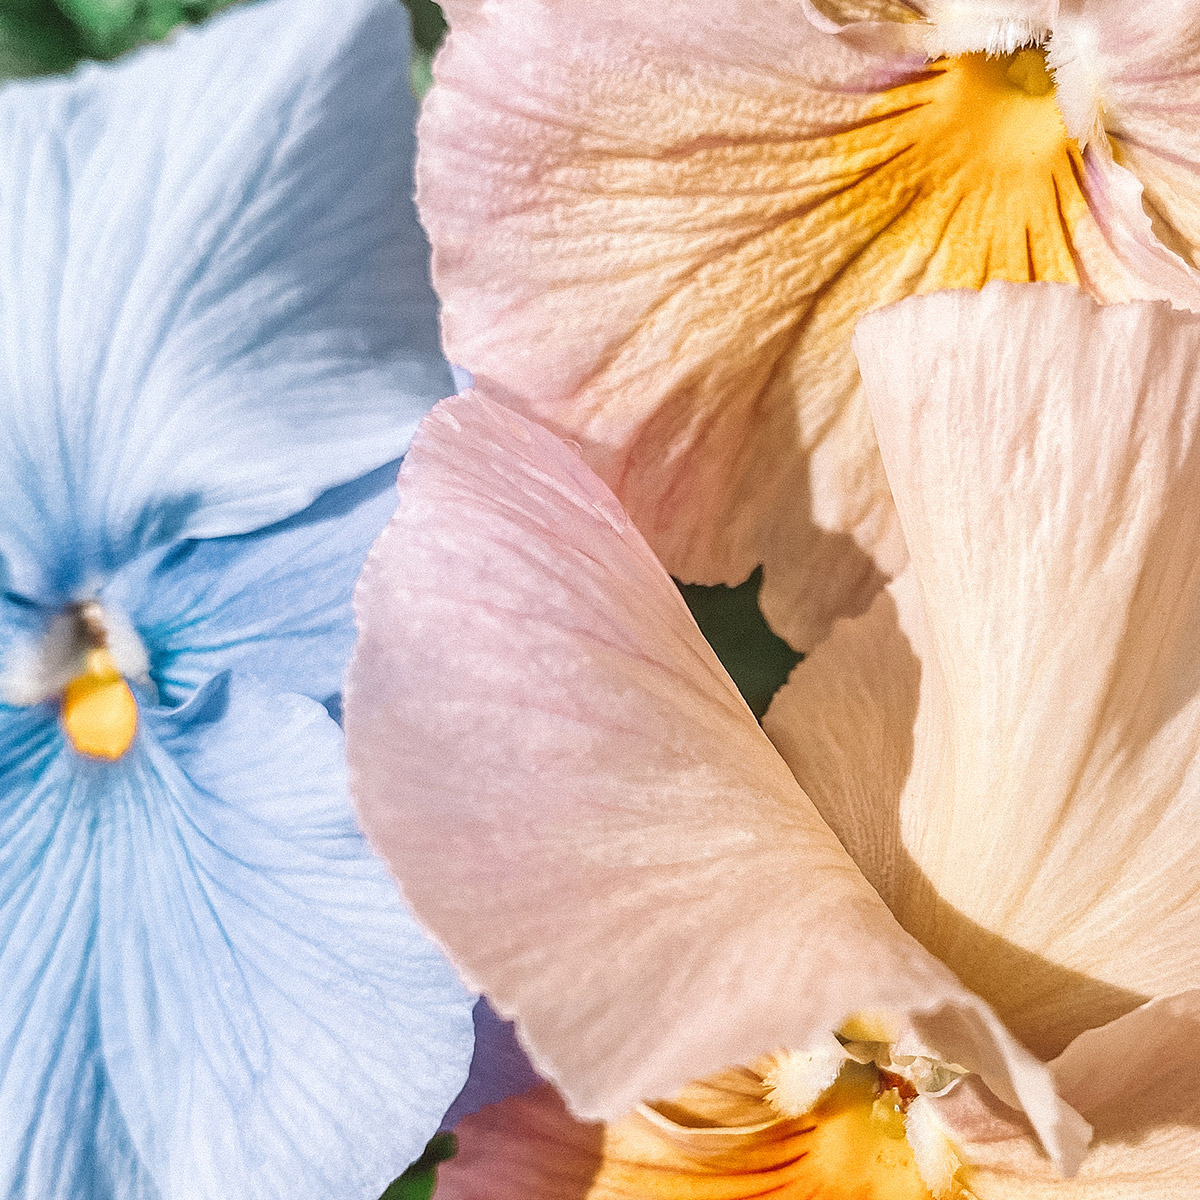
580	806
694	208
1006	743
274	603
212	988
213	288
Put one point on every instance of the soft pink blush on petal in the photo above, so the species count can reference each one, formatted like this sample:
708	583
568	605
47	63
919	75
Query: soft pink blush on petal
1141	61
582	809
654	228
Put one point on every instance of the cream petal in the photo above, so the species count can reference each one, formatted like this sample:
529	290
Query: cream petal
582	809
994	26
1135	1079
845	723
1044	459
694	206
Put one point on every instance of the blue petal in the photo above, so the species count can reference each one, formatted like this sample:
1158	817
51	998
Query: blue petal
275	1023
275	603
62	1135
214	299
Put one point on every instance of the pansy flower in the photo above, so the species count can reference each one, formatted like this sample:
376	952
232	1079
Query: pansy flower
694	203
217	332
979	881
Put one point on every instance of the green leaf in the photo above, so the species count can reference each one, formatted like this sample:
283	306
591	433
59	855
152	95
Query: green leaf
757	660
429	28
417	1183
429	25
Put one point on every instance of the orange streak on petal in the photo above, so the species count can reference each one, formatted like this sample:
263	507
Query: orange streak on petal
698	260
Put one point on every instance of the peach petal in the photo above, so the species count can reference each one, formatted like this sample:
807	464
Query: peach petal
693	207
1135	1080
1008	753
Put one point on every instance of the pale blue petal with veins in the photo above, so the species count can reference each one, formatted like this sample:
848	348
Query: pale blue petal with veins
216	334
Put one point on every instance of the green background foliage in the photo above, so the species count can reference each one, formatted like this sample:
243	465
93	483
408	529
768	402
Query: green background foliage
45	36
729	617
418	1182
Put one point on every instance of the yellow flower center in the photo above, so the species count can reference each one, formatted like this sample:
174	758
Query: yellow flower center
1027	70
965	174
858	1146
99	714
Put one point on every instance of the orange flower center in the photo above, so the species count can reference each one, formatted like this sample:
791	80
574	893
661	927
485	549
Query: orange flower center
970	175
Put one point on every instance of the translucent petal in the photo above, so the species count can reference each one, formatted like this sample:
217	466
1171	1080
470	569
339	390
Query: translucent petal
212	987
275	1023
1005	743
694	204
63	1136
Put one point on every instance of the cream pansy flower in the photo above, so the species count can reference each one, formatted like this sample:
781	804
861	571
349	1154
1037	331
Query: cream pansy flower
981	870
655	226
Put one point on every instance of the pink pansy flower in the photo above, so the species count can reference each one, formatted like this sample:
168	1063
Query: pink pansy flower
983	860
693	203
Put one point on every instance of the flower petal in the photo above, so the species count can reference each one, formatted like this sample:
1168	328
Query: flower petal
1044	456
527	1147
63	1136
1142	63
657	899
1135	1080
274	1022
695	210
720	1140
499	1067
274	603
213	289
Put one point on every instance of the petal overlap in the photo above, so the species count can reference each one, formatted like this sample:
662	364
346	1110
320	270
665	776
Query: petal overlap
697	210
274	603
213	985
1004	743
656	899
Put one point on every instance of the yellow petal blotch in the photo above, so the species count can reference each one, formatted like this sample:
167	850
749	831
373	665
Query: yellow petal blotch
849	1147
99	714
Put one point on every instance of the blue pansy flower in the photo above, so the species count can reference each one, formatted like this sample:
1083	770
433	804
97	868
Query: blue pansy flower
216	334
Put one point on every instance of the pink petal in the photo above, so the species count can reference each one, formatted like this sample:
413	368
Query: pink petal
579	805
527	1147
692	206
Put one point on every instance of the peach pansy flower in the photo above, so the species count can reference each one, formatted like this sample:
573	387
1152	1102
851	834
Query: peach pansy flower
981	871
692	205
